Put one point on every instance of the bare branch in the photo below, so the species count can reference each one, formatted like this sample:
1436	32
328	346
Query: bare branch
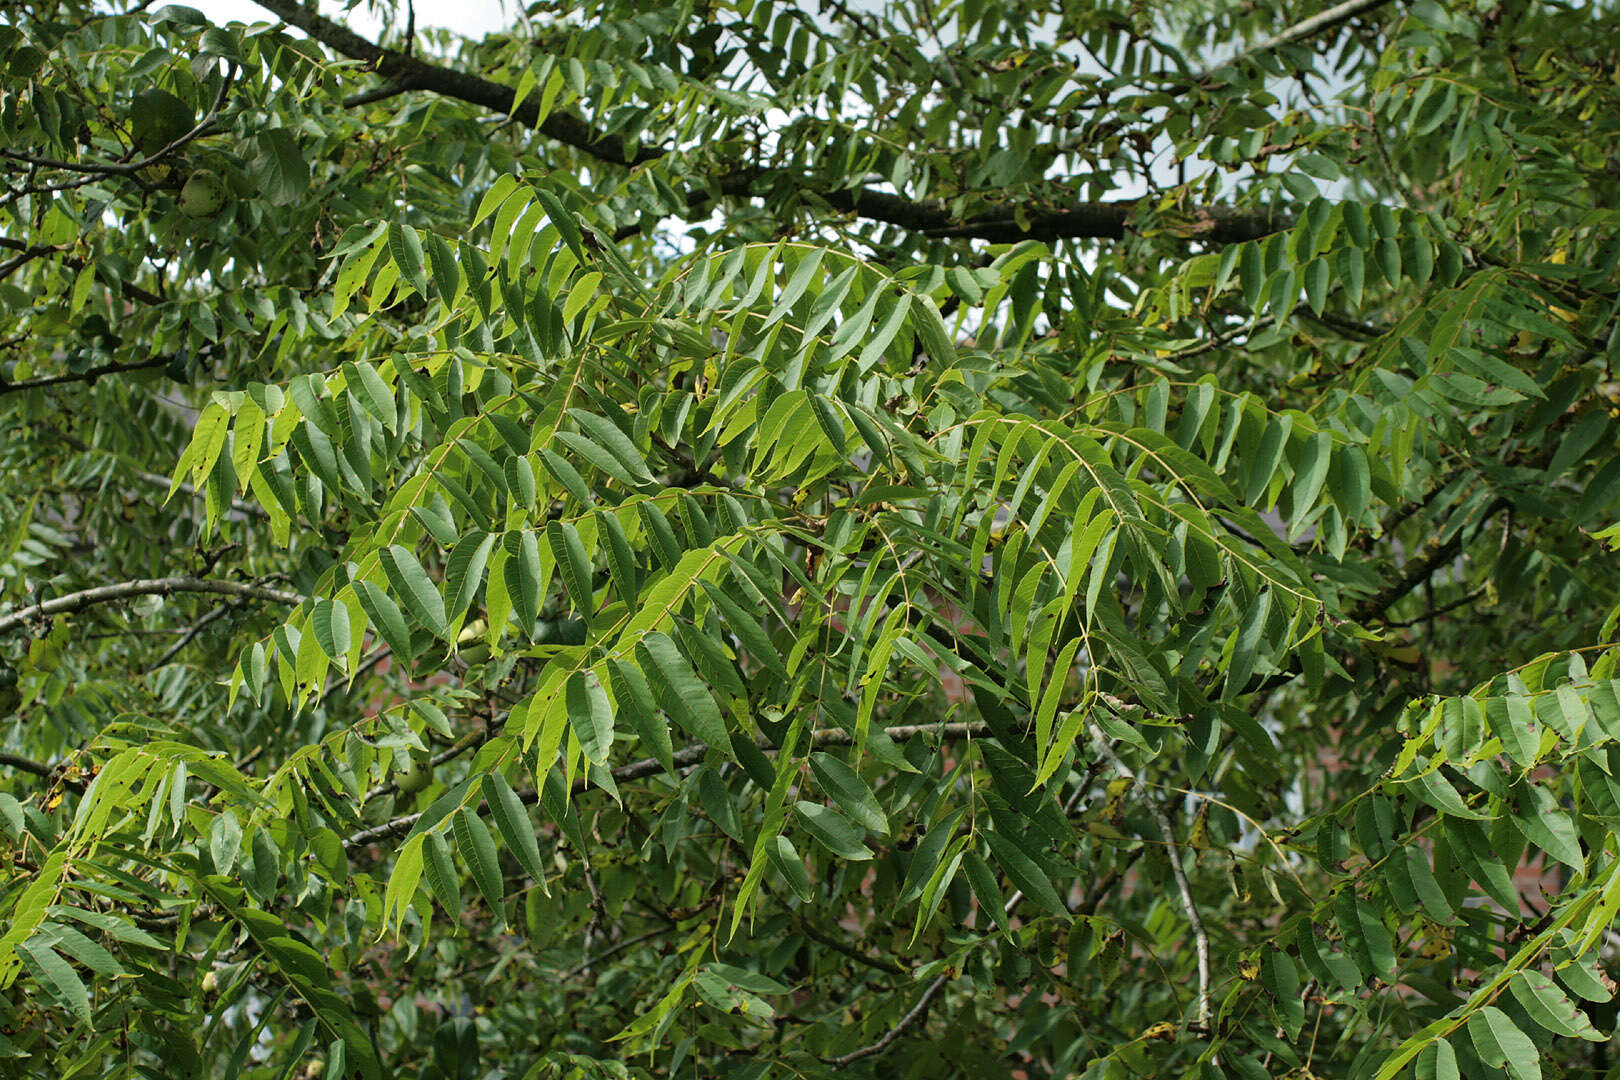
126	590
1428	616
1417	569
617	947
88	375
26	254
1097	220
1322	20
28	765
916	1012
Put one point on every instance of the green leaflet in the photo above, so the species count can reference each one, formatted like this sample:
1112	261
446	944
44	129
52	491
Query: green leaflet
58	978
526	578
516	830
634	700
386	618
574	565
849	793
464	571
746	627
1437	1061
1499	1043
1024	873
1364	931
1541	820
1245	651
770	844
441	874
1511	720
415	589
1473	850
330	623
832	831
1548	1006
787	861
591	714
477	849
985	888
679	690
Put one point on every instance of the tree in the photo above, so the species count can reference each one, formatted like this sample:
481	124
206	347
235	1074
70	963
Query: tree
962	539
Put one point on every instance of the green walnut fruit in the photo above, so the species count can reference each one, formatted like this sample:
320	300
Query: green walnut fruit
414	779
418	776
203	196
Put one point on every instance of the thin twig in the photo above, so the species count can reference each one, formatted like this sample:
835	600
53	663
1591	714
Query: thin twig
1430	616
598	917
916	1011
911	1017
191	632
471	740
591	961
684	758
1183	886
851	951
372	660
1322	20
381	92
1221	339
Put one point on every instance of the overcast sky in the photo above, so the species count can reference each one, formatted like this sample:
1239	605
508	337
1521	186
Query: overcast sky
471	17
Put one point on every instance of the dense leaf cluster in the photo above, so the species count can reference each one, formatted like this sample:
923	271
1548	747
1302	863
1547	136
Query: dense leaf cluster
977	539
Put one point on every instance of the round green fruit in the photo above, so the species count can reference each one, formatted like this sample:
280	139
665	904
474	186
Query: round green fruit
203	196
414	779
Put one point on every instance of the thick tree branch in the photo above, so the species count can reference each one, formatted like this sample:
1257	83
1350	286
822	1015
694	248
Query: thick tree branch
407	72
126	590
26	764
1100	220
89	375
1323	20
1416	570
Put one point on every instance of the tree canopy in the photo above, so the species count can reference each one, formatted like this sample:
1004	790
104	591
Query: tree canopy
980	538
